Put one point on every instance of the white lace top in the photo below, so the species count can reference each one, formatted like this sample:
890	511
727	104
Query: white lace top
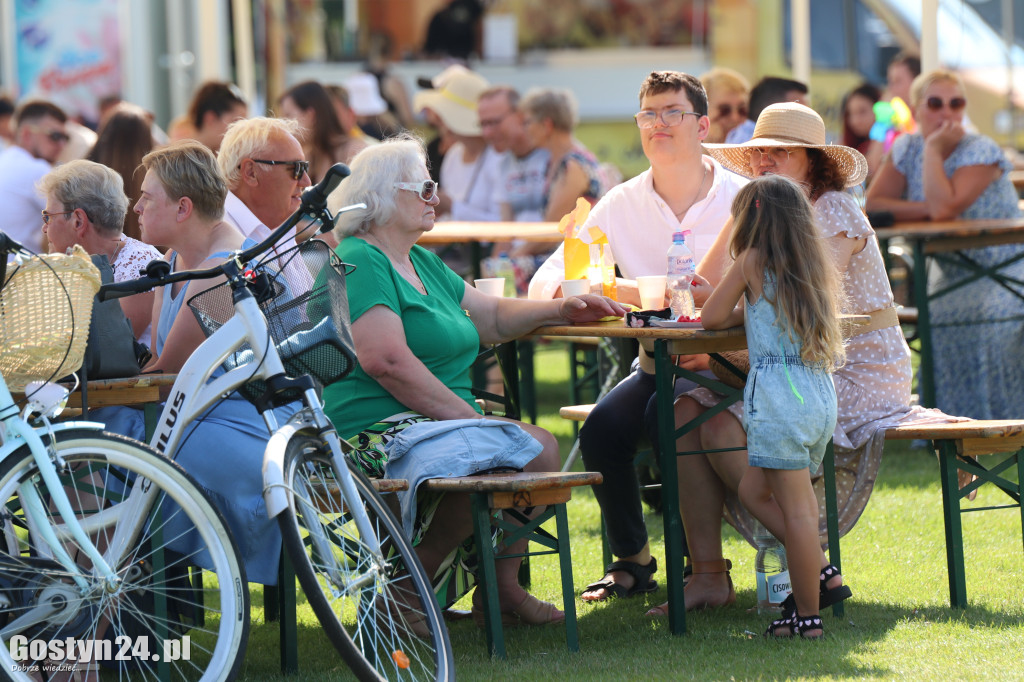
132	257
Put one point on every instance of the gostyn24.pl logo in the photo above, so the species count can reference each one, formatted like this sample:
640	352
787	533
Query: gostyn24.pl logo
123	648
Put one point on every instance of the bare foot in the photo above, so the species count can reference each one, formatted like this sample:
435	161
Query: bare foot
703	591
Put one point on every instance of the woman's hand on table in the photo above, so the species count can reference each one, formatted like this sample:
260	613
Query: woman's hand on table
701	289
589	308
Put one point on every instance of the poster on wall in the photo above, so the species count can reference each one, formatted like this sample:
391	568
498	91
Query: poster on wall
68	51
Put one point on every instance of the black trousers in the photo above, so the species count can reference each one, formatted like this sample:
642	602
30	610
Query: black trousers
609	440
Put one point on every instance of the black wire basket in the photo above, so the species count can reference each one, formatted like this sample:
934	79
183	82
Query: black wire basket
303	295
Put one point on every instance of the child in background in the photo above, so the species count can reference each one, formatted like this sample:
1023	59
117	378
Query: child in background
791	308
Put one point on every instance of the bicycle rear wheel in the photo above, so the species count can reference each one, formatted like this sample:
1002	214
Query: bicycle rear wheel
379	611
161	620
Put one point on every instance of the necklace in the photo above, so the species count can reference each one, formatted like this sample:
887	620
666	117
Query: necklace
680	214
117	250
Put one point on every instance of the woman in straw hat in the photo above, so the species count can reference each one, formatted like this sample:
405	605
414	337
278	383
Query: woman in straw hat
941	173
873	388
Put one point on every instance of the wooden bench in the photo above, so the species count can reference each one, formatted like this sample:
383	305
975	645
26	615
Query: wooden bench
957	444
511	492
280	604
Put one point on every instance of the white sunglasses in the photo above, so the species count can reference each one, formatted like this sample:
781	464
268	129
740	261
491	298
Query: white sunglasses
426	189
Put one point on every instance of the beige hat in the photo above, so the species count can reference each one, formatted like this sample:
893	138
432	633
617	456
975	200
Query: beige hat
455	101
364	95
789	124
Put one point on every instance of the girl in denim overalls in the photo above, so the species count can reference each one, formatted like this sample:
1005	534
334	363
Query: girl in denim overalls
791	308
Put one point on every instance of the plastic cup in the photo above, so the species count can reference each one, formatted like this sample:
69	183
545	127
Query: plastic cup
652	291
492	286
575	287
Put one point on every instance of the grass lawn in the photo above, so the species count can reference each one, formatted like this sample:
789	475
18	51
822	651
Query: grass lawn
897	626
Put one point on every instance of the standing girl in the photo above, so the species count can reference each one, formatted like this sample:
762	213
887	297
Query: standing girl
791	308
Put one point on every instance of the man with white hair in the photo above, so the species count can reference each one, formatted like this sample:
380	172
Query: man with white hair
262	160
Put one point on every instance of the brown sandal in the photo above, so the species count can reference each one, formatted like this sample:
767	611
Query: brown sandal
699	568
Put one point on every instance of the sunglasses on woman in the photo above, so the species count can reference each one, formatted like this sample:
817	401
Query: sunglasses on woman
426	189
727	109
955	104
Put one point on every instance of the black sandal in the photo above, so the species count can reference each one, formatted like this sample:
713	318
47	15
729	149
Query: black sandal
642	582
828	596
797	626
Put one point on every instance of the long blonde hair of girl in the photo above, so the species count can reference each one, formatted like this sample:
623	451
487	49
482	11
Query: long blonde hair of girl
772	217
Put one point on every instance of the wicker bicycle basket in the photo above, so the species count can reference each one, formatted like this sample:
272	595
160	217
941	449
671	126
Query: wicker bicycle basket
308	315
45	310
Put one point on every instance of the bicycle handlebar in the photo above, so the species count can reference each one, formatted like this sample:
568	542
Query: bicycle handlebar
314	202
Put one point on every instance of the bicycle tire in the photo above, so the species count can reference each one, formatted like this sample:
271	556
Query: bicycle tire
369	630
97	469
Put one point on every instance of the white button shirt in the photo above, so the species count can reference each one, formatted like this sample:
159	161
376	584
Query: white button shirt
639	225
20	201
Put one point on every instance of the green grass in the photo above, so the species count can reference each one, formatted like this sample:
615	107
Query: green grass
897	626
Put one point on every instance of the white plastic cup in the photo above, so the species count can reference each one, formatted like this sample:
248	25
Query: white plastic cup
652	291
575	287
492	286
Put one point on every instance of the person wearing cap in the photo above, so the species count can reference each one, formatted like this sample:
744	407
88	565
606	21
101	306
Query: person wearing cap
324	141
873	387
469	172
371	109
342	102
943	172
39	136
682	190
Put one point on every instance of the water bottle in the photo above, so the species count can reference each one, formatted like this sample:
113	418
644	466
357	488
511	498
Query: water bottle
502	266
771	571
681	269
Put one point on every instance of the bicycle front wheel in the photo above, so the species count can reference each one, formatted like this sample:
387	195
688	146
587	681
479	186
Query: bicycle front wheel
378	609
161	620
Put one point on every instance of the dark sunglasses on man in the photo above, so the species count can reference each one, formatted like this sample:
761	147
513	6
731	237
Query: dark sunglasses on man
299	168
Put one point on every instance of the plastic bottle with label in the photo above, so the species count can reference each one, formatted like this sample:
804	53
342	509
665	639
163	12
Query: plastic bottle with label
680	271
771	571
502	266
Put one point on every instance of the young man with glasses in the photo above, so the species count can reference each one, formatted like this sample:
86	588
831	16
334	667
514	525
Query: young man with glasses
40	134
682	190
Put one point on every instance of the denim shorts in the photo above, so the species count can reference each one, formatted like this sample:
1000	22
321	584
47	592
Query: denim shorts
783	431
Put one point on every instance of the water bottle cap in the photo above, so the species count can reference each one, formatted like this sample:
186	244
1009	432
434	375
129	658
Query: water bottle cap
687	233
680	236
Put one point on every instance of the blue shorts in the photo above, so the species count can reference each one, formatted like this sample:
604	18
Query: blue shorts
784	432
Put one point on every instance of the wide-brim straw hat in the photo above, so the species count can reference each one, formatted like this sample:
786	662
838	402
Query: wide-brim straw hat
789	124
455	101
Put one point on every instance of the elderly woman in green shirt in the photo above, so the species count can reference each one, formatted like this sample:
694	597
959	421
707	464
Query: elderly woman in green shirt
417	329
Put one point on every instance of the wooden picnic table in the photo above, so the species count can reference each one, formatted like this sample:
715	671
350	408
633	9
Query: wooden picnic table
948	240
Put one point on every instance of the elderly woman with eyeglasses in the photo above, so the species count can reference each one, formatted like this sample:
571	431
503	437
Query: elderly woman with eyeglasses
942	172
417	328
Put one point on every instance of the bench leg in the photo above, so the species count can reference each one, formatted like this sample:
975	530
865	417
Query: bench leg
572	635
951	517
285	604
832	517
488	575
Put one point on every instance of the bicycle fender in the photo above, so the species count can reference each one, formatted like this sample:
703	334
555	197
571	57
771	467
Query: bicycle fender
12	442
275	494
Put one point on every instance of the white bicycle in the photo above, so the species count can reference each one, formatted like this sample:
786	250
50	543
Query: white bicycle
84	538
277	331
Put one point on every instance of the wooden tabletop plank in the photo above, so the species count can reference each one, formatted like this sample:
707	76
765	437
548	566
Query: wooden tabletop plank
456	231
518	482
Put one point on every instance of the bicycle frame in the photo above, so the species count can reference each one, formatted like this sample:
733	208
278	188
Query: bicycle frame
18	432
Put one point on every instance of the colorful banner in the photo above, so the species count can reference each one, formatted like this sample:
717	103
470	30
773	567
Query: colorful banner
69	51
